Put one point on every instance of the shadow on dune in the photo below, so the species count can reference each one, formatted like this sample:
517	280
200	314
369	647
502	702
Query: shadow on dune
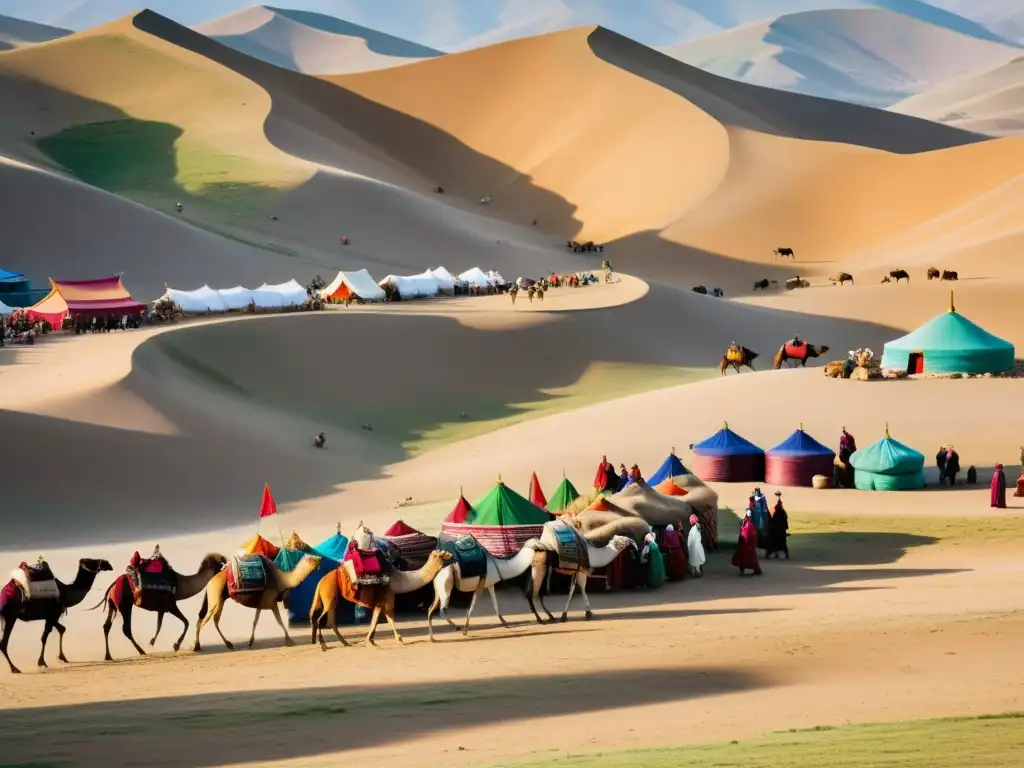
780	113
343	718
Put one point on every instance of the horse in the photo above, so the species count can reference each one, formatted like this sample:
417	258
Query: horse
747	358
781	252
899	274
788	352
841	277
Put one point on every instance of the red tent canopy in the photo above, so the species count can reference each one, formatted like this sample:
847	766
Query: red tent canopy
536	494
461	513
401	528
105	296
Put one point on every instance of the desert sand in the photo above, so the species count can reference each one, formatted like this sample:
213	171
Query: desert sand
895	605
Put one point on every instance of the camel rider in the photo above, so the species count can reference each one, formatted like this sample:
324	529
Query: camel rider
734	354
796	341
319	440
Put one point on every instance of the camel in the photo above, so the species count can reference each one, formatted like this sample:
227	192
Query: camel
841	278
747	358
546	560
451	579
119	599
278	583
933	273
14	607
783	355
797	282
762	284
948	274
780	251
339	584
701	289
897	275
835	369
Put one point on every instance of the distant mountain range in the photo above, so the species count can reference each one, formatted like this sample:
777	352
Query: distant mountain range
14	33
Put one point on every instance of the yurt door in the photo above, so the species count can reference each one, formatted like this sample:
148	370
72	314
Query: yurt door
916	363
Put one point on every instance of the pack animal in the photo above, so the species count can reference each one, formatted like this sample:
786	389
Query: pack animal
949	274
899	274
781	252
933	273
841	278
737	357
701	289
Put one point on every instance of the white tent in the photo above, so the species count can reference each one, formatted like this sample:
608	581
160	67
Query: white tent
414	286
445	281
236	298
359	284
292	294
203	299
496	278
476	277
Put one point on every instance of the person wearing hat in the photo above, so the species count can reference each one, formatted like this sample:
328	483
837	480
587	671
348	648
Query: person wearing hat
623	477
745	556
695	549
778	530
634	474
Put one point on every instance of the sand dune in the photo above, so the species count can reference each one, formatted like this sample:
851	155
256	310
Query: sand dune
310	42
868	56
15	33
990	102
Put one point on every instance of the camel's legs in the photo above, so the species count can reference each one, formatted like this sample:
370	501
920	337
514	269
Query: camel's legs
176	613
469	612
494	601
334	625
280	622
389	614
216	625
8	627
444	587
126	625
581	578
572	591
534	591
430	613
540	597
159	626
374	620
47	628
111	611
61	629
255	621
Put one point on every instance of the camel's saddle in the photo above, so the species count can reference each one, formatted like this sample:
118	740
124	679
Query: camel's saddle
734	354
37	581
367	568
246	573
796	351
468	554
571	547
154	574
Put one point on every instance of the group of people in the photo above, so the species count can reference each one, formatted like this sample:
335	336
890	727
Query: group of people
608	480
948	462
761	529
19	328
95	324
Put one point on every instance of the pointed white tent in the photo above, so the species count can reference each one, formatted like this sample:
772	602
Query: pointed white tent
445	281
201	300
291	293
236	298
475	277
419	286
353	284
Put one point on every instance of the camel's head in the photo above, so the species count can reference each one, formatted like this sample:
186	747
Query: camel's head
440	557
94	566
214	561
622	543
824	348
312	562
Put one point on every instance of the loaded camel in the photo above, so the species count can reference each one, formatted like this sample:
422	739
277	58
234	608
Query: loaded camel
380	598
120	598
495	570
737	357
275	588
56	597
549	558
840	278
797	282
798	353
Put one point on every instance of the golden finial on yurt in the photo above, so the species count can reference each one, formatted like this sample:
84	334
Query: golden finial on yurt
500	481
673	450
725	425
801	426
461	493
951	307
339	529
887	429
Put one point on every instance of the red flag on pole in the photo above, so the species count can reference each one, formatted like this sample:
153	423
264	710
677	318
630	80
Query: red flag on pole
267	507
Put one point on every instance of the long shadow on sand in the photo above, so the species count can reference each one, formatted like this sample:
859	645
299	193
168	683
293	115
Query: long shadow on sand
287	723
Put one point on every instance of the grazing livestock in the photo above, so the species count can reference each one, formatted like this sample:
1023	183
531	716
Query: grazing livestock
949	274
762	284
841	277
700	289
933	273
796	282
899	274
783	252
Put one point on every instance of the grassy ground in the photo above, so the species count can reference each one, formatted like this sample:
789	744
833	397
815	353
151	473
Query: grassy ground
983	742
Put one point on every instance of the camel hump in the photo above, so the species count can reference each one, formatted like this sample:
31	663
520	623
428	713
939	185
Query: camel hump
36	582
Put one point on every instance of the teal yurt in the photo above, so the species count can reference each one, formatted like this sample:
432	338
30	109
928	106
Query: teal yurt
949	343
300	599
888	465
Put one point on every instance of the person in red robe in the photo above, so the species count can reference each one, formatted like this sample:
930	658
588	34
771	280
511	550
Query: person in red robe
1020	483
605	479
634	474
745	556
998	495
675	554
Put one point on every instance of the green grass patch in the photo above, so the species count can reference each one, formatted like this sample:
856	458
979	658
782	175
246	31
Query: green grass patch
982	742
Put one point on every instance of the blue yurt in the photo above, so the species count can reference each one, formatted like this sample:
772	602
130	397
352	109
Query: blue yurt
796	460
725	457
671	467
949	343
888	465
300	599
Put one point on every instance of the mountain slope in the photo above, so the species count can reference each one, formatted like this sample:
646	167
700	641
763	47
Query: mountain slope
867	56
15	33
989	102
311	43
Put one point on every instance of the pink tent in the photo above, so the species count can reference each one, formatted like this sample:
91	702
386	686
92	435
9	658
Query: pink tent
91	298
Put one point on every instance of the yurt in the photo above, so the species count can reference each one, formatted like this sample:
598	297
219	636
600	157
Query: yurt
670	467
949	343
257	545
888	465
414	546
502	521
796	460
565	494
333	550
725	457
460	514
537	497
300	599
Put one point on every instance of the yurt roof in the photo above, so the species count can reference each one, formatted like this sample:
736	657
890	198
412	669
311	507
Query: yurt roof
461	512
800	444
401	528
502	506
887	456
564	495
537	497
725	442
670	467
949	331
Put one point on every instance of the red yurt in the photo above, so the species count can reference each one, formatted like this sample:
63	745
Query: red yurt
413	545
796	460
536	494
725	457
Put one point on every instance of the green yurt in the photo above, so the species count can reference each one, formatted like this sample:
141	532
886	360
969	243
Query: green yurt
949	343
888	465
502	521
564	495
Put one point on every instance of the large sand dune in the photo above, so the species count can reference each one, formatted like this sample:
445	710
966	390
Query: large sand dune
867	56
311	42
990	102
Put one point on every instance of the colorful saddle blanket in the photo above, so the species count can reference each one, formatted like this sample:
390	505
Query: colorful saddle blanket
36	582
572	548
246	573
151	575
368	567
796	351
470	556
734	355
